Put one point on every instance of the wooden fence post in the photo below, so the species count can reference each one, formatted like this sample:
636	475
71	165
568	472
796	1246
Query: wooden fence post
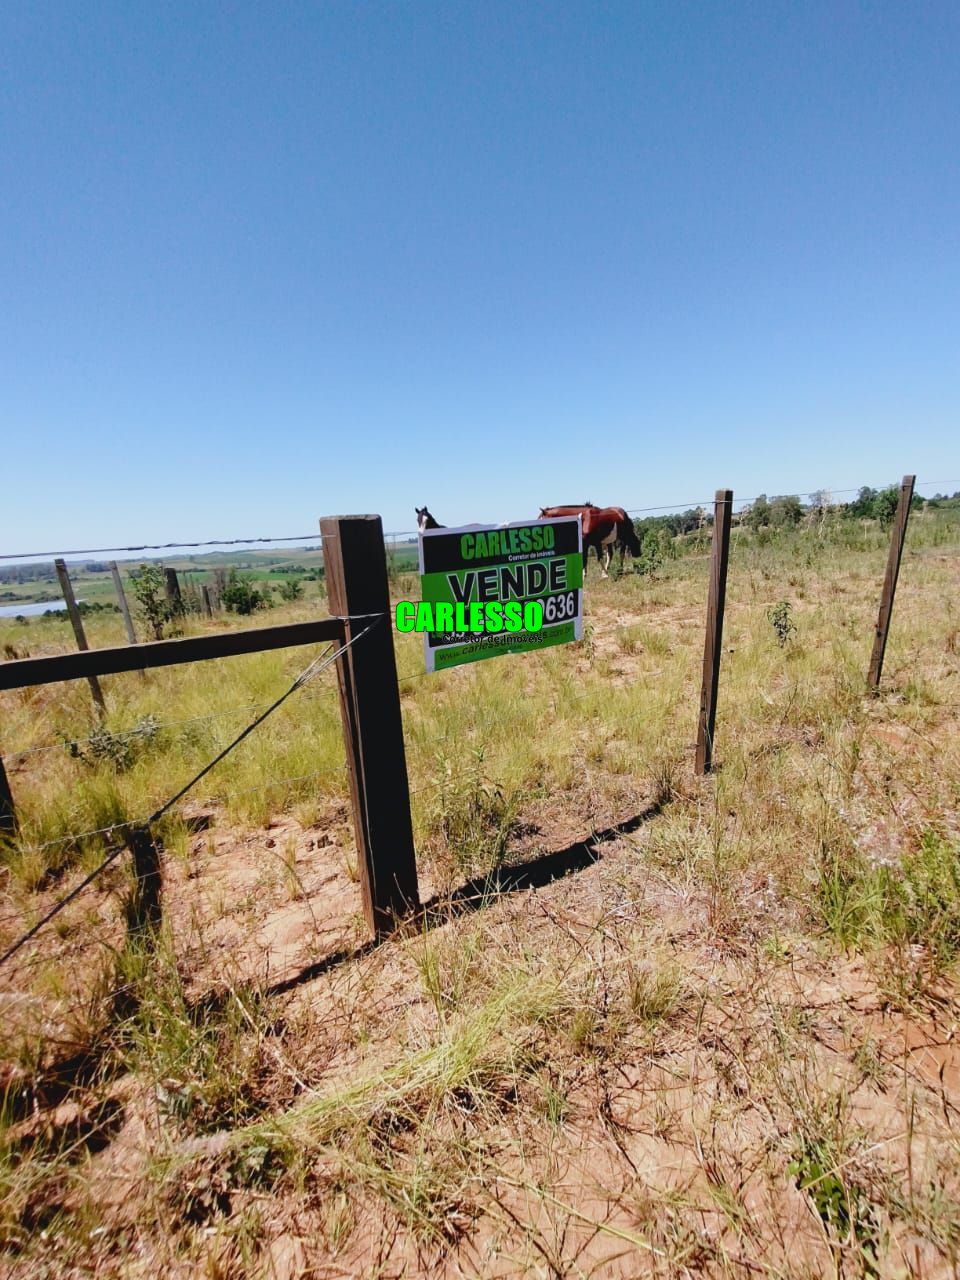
174	598
713	641
124	607
356	577
205	600
66	586
897	536
122	602
8	814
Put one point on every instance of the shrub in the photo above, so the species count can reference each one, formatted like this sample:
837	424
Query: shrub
240	595
651	553
149	590
119	749
779	618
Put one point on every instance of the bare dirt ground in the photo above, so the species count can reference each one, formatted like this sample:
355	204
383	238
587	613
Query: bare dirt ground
658	1144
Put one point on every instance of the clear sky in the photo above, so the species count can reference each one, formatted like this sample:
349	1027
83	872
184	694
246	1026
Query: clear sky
263	262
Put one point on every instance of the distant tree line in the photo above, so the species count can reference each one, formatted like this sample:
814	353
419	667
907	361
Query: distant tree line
785	510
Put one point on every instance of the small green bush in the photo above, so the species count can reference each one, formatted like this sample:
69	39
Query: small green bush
241	596
152	605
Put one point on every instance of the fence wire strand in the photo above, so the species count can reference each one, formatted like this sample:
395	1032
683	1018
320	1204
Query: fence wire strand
401	533
160	546
137	731
314	668
320	663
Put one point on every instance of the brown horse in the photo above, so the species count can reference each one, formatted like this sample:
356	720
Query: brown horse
604	529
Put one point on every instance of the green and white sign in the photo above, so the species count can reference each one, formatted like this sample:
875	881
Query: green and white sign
504	570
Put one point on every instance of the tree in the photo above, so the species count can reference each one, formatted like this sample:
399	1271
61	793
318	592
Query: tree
885	505
785	510
152	605
758	515
862	506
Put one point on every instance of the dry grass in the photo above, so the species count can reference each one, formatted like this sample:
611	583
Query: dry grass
723	1045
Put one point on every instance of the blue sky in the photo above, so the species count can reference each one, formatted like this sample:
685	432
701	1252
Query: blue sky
260	263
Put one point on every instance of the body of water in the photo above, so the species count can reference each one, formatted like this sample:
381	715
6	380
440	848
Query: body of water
30	610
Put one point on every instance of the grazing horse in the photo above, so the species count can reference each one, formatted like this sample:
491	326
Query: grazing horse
604	529
426	521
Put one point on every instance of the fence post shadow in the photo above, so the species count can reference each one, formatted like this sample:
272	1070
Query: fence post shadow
480	892
8	812
145	908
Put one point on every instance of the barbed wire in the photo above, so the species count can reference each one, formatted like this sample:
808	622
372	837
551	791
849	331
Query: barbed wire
320	663
153	726
140	730
14	757
824	491
317	665
159	546
401	533
74	837
184	818
62	903
416	675
693	504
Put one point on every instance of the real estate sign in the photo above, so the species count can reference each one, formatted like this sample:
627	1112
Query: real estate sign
512	588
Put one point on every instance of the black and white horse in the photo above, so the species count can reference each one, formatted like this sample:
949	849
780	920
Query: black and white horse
426	521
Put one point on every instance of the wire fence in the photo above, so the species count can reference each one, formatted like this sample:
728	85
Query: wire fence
158	546
124	828
264	710
691	505
73	745
313	669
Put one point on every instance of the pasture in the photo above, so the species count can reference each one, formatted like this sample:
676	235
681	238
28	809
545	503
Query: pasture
648	1023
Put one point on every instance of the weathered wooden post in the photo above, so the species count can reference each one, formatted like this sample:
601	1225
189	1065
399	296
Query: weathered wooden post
174	598
713	641
66	587
356	576
8	814
124	607
205	600
122	602
898	533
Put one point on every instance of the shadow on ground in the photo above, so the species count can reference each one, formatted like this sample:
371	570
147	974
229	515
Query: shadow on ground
99	1061
481	892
